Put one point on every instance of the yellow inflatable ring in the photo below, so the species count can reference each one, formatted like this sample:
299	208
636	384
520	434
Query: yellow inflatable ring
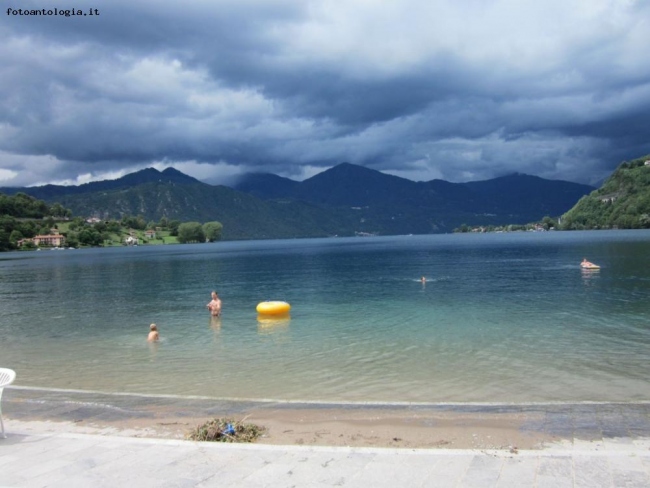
273	308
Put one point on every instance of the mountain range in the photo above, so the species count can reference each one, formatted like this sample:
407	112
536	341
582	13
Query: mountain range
344	200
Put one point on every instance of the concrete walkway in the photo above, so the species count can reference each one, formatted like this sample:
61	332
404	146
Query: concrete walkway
34	455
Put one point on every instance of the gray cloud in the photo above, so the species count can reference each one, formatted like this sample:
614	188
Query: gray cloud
459	90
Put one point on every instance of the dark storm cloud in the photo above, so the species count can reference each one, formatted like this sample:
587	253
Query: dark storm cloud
439	89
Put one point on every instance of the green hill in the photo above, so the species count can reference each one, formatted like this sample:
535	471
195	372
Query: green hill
623	202
243	216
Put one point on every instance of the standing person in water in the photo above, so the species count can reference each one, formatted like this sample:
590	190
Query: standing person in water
153	333
215	305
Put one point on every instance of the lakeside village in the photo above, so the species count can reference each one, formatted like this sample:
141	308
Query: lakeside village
65	233
157	234
55	240
547	224
29	224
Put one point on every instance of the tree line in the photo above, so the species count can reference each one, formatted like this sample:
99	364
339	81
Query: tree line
185	232
22	205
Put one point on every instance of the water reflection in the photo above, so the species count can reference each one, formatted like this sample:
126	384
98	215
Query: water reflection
215	323
590	275
153	350
270	324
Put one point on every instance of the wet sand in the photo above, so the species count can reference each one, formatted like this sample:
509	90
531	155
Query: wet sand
460	426
340	427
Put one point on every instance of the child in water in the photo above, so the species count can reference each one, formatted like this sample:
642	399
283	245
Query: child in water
153	333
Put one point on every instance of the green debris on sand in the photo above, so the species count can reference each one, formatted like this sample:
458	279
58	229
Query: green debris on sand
226	430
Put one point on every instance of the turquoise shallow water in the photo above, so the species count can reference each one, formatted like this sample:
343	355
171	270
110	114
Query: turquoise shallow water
502	318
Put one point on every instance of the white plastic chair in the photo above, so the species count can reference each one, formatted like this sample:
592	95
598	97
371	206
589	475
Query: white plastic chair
7	377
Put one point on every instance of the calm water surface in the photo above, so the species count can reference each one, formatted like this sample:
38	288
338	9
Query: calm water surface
501	318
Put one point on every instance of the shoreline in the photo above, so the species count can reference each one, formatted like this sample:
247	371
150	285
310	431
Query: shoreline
343	403
413	426
314	429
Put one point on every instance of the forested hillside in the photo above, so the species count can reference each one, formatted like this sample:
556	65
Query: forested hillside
623	202
24	216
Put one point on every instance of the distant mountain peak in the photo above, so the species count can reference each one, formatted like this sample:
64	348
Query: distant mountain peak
349	170
141	177
173	172
150	175
265	185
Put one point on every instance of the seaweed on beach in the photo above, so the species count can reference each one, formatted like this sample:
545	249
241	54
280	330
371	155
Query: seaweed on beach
226	430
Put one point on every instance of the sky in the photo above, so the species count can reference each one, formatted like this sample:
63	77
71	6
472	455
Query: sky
460	90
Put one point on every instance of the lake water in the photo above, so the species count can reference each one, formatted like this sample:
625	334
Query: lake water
501	318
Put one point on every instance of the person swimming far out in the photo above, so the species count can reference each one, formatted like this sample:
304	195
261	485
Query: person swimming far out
423	279
153	333
588	264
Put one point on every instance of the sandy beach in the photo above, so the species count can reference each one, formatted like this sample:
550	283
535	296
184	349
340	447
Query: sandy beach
334	427
337	427
451	426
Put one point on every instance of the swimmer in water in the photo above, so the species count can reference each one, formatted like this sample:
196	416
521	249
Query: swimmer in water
423	279
153	333
215	305
587	264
